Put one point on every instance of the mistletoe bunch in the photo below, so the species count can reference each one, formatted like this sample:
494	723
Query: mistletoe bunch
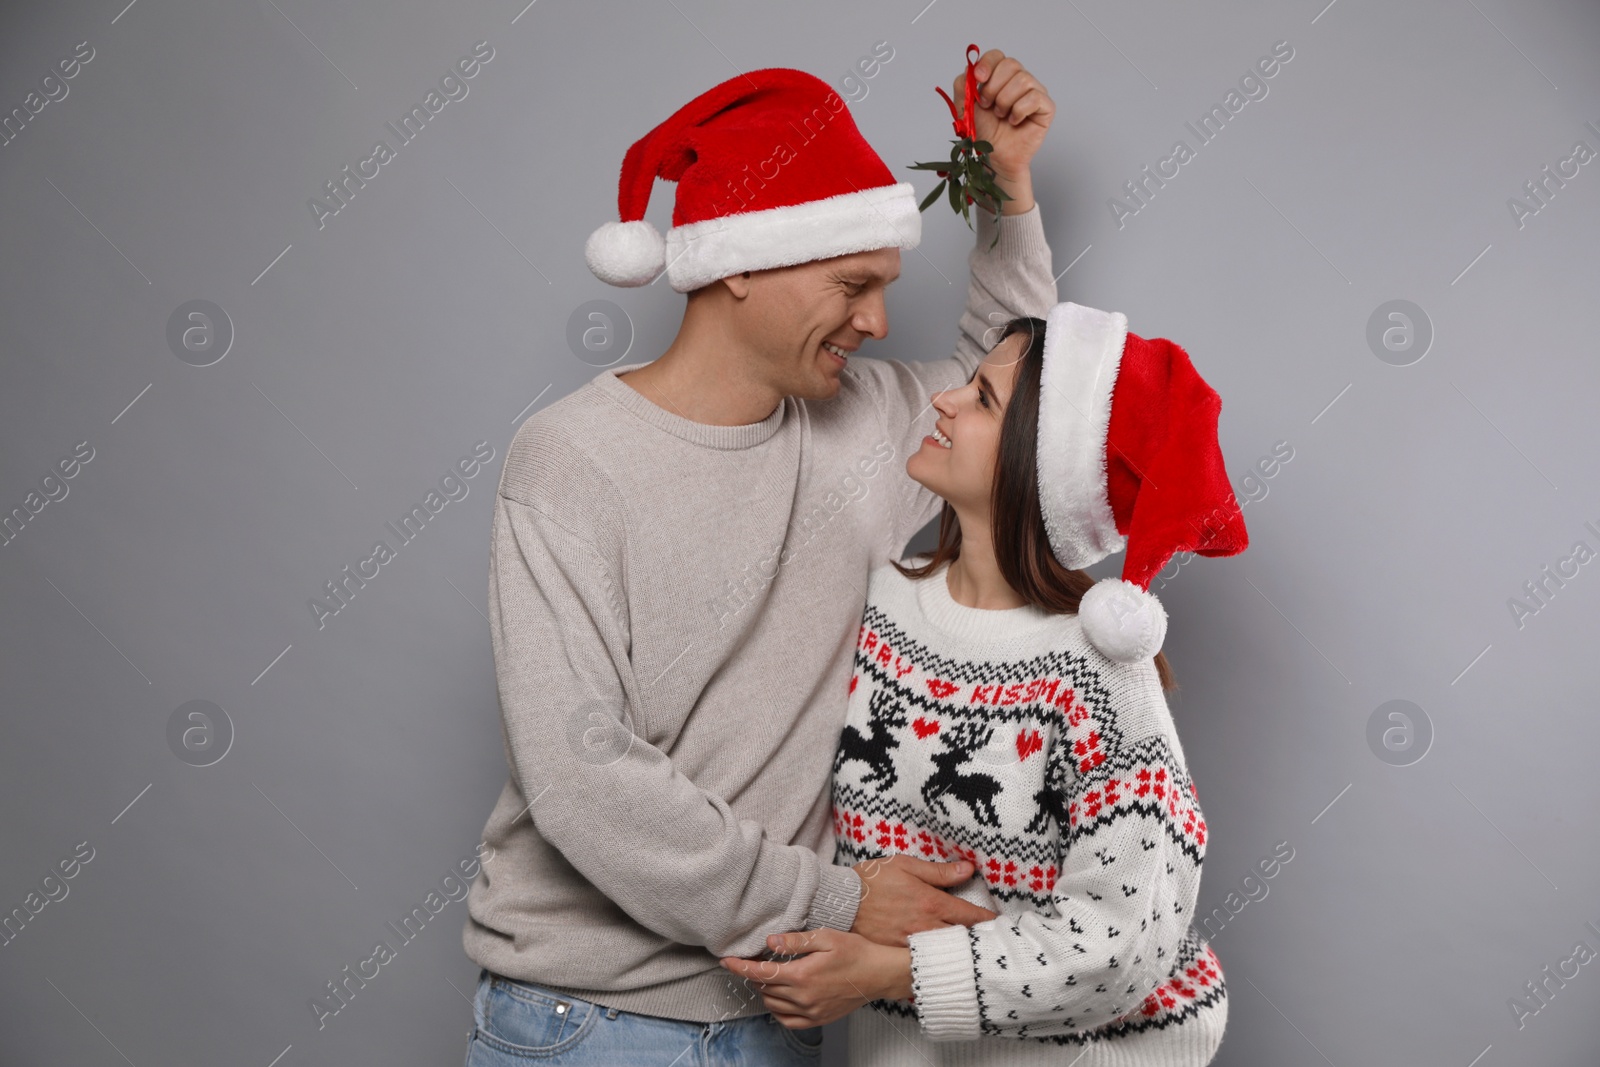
968	177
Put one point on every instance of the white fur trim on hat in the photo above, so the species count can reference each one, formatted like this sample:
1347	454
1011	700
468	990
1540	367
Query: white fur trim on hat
884	216
626	253
1124	622
1082	351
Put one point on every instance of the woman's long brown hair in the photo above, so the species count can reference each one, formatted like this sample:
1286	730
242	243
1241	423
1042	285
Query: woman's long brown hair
1021	543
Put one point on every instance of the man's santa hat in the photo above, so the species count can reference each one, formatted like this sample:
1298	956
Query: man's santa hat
1128	458
771	172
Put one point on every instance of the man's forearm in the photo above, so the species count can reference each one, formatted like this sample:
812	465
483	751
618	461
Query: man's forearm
1019	187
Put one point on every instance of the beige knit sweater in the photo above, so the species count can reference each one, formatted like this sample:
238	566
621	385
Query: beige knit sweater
673	609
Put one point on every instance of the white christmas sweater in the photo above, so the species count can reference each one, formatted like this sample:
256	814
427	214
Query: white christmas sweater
1006	739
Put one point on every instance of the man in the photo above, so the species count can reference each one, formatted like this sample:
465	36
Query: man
678	559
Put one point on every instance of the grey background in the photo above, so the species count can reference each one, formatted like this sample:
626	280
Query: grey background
431	313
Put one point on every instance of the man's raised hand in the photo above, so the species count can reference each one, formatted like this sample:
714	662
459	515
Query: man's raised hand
1014	111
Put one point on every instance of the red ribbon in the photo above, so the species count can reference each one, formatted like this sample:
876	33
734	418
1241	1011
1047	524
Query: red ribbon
967	125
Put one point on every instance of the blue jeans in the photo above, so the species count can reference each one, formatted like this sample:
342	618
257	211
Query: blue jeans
515	1023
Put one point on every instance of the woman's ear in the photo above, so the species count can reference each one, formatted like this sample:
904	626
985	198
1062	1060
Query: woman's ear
738	285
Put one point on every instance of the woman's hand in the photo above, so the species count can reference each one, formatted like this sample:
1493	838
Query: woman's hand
1014	111
838	974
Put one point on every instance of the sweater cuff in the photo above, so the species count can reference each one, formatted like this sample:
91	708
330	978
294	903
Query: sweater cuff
1021	236
944	983
837	898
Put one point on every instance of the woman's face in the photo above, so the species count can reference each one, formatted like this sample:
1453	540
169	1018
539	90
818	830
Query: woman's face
960	468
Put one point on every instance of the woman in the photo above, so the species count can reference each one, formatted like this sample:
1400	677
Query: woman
1009	710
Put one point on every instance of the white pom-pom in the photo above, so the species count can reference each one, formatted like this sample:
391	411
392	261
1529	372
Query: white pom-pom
626	253
1124	622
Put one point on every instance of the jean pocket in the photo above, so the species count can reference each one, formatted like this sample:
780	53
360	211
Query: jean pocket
523	1020
807	1042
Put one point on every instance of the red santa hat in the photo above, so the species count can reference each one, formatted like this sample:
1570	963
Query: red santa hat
1128	458
771	172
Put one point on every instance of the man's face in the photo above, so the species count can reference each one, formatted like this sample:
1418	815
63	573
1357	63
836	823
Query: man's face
791	313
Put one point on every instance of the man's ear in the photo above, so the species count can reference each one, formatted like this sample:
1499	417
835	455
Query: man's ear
738	285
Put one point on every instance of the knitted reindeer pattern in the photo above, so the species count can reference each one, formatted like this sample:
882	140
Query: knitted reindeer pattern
1059	775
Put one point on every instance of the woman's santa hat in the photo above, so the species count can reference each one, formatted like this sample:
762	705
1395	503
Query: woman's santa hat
1128	458
771	172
